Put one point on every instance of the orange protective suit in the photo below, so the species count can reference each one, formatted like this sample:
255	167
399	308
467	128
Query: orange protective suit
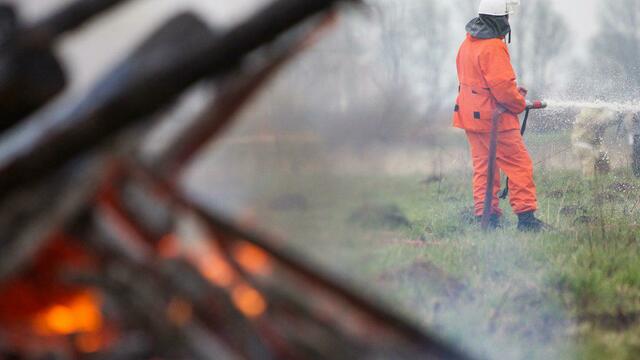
487	79
514	160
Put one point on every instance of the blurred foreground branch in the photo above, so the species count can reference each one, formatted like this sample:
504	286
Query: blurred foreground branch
97	241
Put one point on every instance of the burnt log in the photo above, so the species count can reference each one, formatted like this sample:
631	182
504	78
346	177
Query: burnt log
29	75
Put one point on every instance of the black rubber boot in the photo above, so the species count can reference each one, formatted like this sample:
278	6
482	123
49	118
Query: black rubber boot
528	222
495	221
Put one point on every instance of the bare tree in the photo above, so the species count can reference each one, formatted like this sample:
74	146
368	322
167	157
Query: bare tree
393	35
616	48
416	49
435	50
540	38
374	77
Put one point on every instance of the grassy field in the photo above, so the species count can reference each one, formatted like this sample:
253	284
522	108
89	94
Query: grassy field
569	293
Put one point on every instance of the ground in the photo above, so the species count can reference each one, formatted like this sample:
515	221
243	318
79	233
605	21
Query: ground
570	293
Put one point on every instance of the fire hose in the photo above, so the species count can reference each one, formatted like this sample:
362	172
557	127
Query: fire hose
493	148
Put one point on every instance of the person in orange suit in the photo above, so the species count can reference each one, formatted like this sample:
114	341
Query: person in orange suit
488	83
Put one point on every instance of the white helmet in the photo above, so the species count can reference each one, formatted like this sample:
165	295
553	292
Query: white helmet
498	7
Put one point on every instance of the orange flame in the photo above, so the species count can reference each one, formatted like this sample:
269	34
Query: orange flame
208	260
179	312
169	246
252	259
90	342
248	300
80	315
215	267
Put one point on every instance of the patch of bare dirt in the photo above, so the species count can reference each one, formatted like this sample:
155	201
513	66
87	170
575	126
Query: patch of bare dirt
387	216
619	321
607	197
432	180
572	210
583	220
623	187
420	243
425	272
467	215
557	194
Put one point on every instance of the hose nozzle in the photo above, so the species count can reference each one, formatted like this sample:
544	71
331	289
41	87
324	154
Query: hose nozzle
536	104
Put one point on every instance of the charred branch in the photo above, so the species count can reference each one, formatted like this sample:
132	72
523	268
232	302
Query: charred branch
30	73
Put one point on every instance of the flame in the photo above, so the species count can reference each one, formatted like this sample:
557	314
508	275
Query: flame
208	260
248	300
179	312
38	287
89	342
252	259
80	315
169	246
215	267
57	320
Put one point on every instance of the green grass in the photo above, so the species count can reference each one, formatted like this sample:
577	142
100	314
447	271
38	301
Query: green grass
570	293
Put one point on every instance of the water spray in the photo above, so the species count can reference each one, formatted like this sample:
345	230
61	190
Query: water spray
631	106
493	148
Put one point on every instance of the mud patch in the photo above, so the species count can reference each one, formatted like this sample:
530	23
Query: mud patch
607	197
467	216
583	220
619	321
424	272
432	180
562	193
420	243
557	194
388	216
572	210
623	187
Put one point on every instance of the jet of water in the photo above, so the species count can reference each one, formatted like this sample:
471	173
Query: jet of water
624	107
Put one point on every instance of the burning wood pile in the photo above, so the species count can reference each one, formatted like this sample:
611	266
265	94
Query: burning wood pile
104	256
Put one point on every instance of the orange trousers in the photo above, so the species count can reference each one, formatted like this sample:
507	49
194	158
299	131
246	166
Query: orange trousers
514	160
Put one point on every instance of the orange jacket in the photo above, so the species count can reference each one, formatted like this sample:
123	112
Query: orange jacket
486	79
